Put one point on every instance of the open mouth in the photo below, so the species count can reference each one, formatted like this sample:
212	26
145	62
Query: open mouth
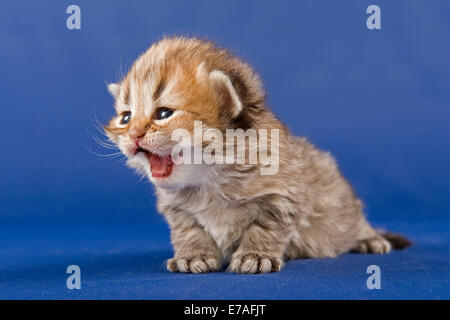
160	166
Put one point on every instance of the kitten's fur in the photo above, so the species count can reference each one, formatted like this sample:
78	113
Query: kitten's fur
231	214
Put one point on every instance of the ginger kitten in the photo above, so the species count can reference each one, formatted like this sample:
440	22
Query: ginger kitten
227	213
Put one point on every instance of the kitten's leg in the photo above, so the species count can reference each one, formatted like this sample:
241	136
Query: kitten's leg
195	250
260	251
382	242
371	241
375	244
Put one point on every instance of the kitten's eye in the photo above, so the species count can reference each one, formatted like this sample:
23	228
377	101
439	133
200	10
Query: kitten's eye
163	113
126	117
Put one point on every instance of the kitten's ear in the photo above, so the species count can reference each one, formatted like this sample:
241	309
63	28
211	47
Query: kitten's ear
226	91
114	89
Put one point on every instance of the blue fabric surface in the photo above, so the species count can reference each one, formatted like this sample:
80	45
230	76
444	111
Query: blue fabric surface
126	261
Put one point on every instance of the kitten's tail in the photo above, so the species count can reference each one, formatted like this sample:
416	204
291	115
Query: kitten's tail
396	240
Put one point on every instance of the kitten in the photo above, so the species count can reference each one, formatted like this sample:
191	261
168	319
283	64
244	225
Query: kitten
224	213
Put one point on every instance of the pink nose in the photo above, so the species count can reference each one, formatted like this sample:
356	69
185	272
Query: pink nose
136	138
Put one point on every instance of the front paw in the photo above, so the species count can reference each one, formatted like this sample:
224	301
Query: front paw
194	264
255	263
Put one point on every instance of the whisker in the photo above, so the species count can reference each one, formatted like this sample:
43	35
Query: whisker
104	143
118	161
142	177
98	125
108	155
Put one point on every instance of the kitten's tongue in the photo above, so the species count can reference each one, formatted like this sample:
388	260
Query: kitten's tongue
161	166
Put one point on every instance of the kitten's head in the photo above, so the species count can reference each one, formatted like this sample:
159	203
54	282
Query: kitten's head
175	82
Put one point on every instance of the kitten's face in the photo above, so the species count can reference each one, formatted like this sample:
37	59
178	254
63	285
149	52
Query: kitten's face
161	93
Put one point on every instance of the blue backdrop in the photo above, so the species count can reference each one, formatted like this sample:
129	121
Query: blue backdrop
377	99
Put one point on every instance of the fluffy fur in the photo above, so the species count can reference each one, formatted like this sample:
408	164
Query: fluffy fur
231	214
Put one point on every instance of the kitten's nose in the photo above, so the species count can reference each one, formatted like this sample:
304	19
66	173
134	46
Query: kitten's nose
137	138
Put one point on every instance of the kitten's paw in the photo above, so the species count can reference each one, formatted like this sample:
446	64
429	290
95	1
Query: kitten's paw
194	264
255	263
376	244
